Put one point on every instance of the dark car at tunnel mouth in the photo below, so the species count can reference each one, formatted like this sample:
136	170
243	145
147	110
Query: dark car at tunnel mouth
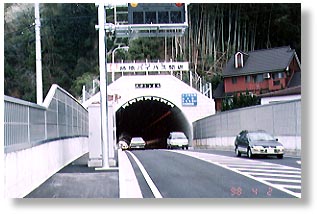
254	143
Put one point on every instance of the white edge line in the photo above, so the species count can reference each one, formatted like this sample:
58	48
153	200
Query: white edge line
298	195
146	176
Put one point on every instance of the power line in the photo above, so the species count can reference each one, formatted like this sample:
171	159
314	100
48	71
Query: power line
20	30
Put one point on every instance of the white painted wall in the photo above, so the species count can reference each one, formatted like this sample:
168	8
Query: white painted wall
26	169
268	100
171	89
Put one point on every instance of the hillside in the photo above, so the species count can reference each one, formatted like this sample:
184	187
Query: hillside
70	41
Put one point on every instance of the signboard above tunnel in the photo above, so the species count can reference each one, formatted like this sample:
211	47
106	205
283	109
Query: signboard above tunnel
148	66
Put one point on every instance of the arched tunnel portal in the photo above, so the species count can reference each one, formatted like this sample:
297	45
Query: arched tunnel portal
151	118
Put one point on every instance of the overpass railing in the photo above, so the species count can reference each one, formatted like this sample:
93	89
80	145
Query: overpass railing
27	124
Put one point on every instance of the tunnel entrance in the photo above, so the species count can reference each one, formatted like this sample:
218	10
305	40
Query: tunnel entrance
151	118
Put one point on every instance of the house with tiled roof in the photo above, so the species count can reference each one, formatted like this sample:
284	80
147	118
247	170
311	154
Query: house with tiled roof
259	72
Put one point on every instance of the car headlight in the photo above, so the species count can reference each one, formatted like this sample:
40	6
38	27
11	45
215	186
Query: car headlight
257	148
280	148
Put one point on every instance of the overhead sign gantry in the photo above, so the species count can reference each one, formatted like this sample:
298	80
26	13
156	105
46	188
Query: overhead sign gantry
152	20
144	20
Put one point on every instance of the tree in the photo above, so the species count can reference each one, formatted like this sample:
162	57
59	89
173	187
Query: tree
19	52
70	41
239	101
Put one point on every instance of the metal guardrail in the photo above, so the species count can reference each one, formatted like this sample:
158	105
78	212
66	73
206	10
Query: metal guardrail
27	124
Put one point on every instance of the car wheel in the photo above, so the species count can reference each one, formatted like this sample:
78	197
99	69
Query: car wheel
186	147
280	156
238	153
249	153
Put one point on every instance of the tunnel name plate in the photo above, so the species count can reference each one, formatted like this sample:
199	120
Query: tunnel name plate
147	85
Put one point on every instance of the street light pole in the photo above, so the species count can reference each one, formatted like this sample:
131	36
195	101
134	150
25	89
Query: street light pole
39	83
103	84
126	48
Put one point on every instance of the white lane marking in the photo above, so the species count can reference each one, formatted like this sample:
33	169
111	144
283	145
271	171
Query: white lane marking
275	175
264	170
148	179
281	180
244	171
259	166
289	186
245	163
128	183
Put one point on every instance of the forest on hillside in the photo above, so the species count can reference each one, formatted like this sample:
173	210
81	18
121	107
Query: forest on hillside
70	41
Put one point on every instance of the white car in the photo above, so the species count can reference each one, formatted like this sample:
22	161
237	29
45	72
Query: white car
137	143
123	145
177	140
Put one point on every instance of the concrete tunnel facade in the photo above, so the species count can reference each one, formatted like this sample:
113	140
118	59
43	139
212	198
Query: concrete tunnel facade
152	106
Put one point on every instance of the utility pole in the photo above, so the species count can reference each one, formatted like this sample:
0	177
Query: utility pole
103	84
39	84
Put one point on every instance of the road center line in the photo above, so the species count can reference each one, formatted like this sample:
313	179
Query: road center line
146	176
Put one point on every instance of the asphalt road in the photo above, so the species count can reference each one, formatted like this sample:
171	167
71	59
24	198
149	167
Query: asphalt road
209	174
291	161
178	174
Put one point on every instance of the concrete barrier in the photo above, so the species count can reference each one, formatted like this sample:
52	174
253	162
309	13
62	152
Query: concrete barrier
283	120
25	170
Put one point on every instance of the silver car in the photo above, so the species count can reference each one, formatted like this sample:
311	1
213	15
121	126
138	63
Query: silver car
137	143
254	143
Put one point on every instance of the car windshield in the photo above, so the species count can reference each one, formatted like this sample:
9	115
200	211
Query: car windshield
260	136
179	135
137	139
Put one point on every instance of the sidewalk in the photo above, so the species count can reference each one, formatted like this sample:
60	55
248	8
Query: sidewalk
77	180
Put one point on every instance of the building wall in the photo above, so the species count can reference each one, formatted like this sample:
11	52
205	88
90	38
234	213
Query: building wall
218	103
255	87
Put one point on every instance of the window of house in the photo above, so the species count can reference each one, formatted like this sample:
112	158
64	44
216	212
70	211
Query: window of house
278	75
247	79
238	60
258	78
234	80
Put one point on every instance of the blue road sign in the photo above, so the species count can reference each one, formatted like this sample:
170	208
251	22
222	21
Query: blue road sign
189	99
